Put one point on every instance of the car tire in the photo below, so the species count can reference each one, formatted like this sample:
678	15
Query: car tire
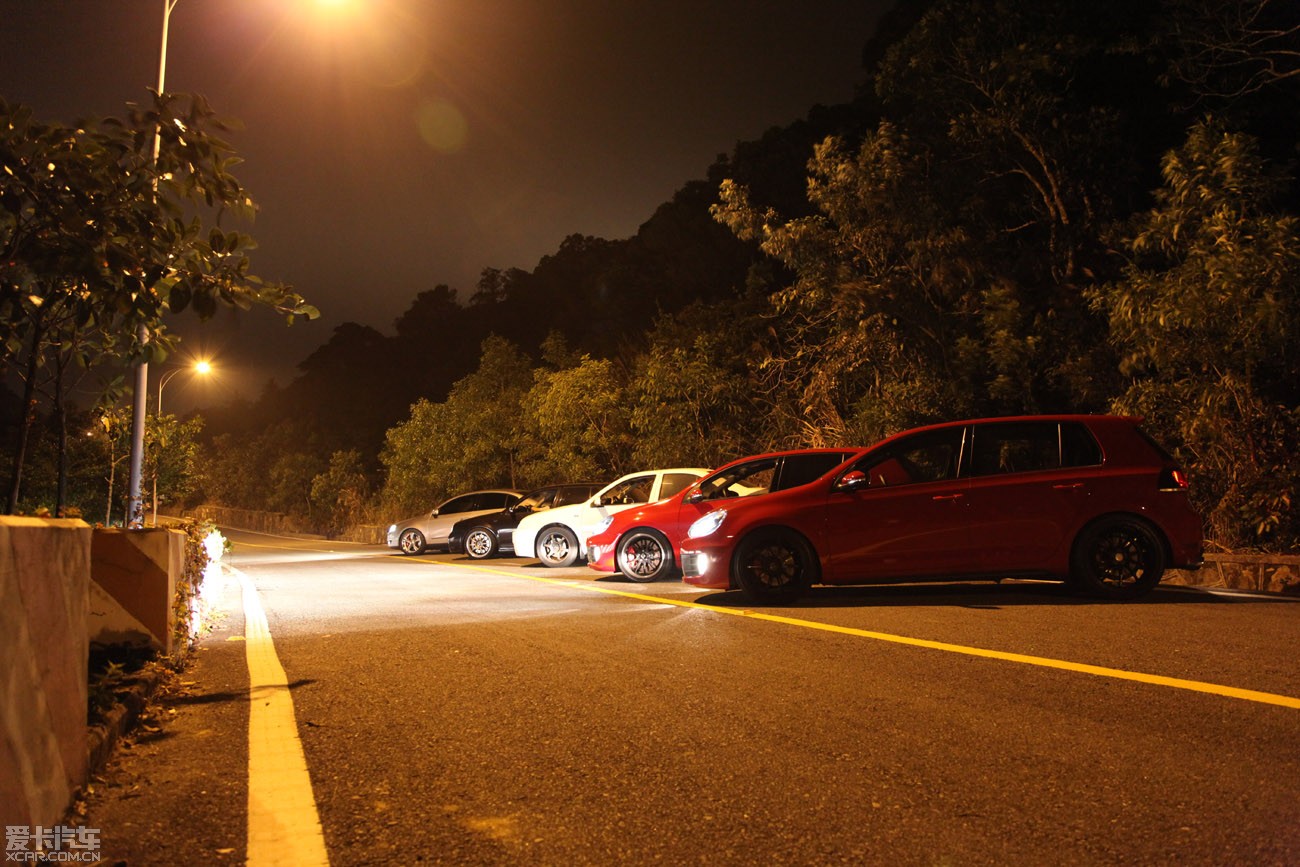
1117	558
480	543
773	567
411	541
557	547
645	556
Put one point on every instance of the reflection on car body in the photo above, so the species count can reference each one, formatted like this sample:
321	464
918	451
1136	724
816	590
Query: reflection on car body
645	543
559	537
1087	499
415	535
492	535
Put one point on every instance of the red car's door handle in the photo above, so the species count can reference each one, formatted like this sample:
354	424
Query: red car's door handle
948	497
1070	487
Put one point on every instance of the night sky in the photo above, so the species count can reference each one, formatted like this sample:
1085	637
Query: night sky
393	145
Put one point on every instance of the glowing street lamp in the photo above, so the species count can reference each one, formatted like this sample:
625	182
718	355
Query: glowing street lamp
200	368
134	505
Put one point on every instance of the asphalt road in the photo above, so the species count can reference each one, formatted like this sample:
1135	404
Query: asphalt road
502	713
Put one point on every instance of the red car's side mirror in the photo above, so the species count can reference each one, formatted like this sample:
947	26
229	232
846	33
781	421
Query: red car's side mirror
852	480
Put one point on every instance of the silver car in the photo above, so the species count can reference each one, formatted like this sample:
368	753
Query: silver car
430	530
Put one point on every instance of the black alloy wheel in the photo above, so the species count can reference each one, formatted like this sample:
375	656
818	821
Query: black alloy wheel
1117	558
774	566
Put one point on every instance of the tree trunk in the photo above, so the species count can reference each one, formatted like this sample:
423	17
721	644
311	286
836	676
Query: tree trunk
61	422
25	424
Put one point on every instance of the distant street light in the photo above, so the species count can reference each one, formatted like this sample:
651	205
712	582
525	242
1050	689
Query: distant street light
201	368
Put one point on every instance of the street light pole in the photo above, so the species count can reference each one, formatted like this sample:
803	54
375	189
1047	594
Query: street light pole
134	506
202	368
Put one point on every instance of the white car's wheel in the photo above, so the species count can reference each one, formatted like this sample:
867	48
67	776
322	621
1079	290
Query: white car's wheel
557	546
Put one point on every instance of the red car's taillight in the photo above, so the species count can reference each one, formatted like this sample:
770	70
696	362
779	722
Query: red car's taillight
1174	479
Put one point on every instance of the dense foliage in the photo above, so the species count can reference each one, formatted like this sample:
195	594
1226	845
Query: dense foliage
105	228
1031	206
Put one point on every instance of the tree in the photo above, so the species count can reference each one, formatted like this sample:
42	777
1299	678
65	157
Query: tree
694	398
172	456
471	440
1206	317
100	240
580	417
859	343
111	428
1228	51
271	470
340	493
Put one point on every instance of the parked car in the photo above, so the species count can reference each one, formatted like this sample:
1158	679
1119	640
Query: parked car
485	536
1091	500
559	537
644	543
415	535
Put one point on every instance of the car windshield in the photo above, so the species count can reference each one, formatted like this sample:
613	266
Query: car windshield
742	480
629	492
535	500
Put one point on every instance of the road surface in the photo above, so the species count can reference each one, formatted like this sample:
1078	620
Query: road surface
428	709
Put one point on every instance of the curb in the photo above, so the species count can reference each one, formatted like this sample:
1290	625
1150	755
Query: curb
102	737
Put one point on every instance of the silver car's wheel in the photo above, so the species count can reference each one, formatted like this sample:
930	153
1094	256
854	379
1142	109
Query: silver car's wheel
557	546
645	555
411	541
480	543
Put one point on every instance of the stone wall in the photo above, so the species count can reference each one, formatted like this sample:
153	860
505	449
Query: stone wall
1271	573
44	651
247	519
366	534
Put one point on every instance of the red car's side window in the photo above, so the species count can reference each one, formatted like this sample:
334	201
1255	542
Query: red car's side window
889	472
1026	447
933	456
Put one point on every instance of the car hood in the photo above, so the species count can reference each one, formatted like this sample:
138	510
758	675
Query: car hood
411	521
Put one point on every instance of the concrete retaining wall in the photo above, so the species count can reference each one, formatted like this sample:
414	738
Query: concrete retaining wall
133	587
44	651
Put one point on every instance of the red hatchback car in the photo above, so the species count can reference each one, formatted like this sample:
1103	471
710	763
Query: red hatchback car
645	543
1091	500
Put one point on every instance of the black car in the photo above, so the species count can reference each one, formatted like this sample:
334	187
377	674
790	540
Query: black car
491	535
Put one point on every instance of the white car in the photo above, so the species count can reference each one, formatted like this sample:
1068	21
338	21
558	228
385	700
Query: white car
558	537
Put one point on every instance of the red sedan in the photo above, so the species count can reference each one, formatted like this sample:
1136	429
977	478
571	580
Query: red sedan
645	543
1091	500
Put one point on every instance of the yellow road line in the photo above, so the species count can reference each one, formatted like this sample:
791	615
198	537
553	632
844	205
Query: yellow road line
1003	656
283	825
